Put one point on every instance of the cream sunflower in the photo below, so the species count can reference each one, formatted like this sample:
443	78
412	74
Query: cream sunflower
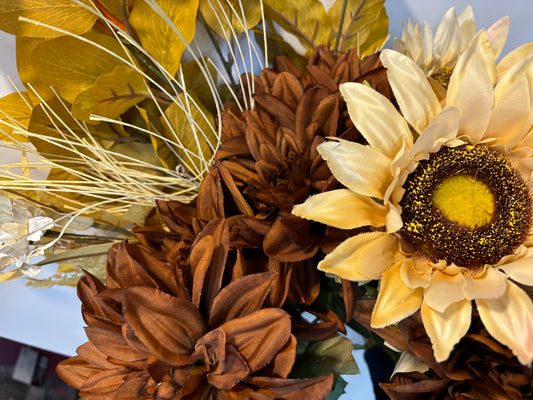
438	55
451	208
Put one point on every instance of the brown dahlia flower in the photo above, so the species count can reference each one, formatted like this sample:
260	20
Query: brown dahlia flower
478	368
266	164
161	330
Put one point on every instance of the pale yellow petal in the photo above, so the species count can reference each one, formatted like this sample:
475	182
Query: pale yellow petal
413	276
489	284
427	47
442	129
362	257
376	118
467	26
360	168
479	51
412	91
513	112
445	329
474	99
497	34
445	289
509	319
342	209
521	270
514	57
447	38
395	300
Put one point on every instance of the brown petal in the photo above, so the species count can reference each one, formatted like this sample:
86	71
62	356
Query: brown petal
98	386
90	353
75	371
176	215
113	345
284	360
259	336
240	298
208	262
167	326
125	271
295	389
291	239
422	390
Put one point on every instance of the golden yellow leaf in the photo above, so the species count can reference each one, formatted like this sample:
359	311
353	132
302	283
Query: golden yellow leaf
365	25
115	6
71	65
306	19
157	37
193	144
112	94
223	16
15	110
28	77
63	14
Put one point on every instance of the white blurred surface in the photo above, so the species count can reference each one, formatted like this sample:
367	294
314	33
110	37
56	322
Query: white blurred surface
51	318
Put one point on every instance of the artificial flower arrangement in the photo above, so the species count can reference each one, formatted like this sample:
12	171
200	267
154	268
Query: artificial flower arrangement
238	182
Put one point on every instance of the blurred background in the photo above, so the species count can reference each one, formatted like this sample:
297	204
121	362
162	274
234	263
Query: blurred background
50	319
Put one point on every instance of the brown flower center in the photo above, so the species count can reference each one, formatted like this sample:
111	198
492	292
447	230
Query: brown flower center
466	205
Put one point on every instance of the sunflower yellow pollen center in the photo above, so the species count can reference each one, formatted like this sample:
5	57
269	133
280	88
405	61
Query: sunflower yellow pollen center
465	200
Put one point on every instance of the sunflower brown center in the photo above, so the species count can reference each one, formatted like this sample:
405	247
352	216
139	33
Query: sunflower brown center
466	205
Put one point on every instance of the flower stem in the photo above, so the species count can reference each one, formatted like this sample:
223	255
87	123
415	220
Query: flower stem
226	64
339	32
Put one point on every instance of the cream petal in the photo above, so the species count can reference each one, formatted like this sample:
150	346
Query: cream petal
474	99
447	38
445	289
509	319
395	300
413	278
491	284
521	270
342	209
360	168
376	118
497	34
414	95
479	51
446	328
513	112
362	257
426	55
442	129
467	26
513	57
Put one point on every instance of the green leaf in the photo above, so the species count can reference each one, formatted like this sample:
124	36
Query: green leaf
196	82
326	356
338	390
71	65
223	16
365	25
191	134
158	37
306	19
112	94
63	14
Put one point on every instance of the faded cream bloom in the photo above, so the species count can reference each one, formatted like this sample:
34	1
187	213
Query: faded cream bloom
439	54
488	110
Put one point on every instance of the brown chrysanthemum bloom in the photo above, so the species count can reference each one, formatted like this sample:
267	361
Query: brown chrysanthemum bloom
267	163
478	368
158	330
